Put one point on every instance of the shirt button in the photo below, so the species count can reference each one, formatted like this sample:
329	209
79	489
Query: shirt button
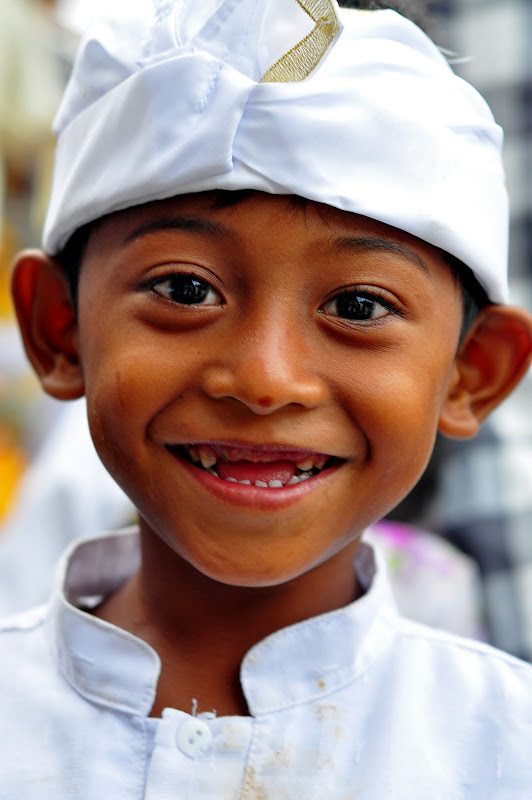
193	738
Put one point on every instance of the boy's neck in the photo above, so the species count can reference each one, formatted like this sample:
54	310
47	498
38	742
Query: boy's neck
202	629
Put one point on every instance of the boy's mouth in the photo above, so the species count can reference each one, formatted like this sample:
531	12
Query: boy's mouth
265	469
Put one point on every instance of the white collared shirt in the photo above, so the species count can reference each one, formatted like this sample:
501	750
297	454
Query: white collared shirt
357	703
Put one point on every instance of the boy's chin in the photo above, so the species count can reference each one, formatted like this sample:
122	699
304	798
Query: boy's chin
248	561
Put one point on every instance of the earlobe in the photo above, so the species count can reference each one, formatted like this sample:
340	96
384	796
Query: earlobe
48	324
492	360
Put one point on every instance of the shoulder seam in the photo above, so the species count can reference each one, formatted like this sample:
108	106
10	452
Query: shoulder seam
418	630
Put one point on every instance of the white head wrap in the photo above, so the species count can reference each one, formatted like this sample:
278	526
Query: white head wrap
356	109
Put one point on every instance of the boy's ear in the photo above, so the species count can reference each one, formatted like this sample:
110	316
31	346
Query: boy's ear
490	363
48	323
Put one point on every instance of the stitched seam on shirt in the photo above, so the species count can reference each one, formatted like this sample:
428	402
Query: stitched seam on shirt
355	676
94	700
248	771
143	777
445	638
328	618
86	693
107	627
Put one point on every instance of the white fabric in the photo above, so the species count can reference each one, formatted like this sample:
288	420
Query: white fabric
354	703
65	492
171	103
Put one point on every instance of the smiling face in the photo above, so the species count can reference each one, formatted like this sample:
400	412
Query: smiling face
263	379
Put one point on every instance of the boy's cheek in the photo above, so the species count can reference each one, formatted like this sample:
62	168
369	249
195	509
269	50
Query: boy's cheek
397	395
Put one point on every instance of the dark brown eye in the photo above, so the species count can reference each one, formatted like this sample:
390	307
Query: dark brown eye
356	306
186	290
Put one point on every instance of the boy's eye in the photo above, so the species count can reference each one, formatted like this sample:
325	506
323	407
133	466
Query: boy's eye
357	306
188	290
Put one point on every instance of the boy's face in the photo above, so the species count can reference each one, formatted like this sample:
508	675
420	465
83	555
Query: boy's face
263	334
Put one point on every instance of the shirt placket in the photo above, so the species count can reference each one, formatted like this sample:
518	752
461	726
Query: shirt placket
198	757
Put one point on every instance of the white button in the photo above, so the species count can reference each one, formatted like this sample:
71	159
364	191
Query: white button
193	738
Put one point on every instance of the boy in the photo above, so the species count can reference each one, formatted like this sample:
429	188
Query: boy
256	229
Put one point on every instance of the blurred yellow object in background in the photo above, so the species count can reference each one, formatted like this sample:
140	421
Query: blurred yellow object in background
12	466
8	246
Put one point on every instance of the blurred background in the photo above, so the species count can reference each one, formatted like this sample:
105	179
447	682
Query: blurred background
460	546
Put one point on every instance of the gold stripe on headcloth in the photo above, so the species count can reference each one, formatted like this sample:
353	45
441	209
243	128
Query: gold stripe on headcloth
305	56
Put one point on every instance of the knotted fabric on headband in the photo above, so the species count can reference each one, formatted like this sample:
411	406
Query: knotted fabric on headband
356	109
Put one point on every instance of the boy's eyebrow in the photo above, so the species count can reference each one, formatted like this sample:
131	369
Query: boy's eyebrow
182	223
365	243
201	225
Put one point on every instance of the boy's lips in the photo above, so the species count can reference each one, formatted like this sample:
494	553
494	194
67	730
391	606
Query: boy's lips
268	467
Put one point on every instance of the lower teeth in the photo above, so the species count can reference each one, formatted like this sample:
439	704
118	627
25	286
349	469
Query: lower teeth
270	484
263	484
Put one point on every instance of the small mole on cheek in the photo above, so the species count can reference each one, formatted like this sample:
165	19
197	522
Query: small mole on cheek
265	401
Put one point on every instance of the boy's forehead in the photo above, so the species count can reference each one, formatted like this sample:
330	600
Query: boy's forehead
234	206
226	217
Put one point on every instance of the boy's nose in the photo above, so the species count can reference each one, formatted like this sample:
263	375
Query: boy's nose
266	374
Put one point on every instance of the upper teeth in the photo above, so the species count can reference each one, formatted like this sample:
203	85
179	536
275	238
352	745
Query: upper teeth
206	456
305	465
207	459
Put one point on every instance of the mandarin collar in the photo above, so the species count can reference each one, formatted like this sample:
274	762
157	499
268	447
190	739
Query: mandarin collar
297	664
